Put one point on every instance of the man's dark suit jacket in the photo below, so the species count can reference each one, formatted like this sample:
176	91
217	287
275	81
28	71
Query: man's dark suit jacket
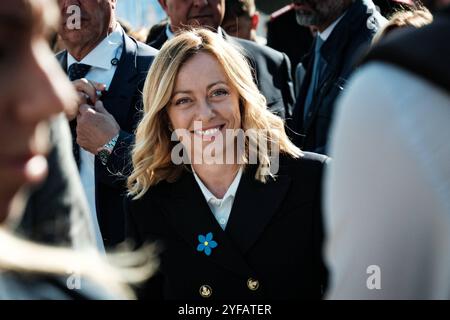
124	101
274	235
351	37
272	72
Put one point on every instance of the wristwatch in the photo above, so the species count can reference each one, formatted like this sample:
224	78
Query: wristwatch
105	151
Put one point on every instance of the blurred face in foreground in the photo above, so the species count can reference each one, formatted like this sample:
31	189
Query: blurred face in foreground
32	89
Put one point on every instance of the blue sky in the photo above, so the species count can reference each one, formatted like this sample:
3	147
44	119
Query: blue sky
140	13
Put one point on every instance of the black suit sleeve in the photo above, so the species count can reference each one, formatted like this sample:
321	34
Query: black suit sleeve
288	88
119	165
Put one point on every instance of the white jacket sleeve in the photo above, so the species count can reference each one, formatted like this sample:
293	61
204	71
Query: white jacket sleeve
387	190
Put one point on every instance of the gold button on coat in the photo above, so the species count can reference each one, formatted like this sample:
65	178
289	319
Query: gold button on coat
205	291
253	284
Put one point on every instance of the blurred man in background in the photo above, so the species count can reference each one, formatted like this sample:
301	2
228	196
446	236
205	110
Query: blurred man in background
345	28
272	69
241	20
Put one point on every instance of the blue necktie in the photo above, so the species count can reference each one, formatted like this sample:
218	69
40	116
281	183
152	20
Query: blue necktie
76	71
316	72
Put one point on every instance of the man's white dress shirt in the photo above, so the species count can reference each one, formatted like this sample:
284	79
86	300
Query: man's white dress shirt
102	71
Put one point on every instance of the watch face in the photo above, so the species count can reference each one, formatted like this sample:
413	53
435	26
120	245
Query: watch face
103	155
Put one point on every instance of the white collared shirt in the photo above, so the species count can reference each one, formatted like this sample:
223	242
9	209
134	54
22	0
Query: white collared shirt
169	32
221	208
102	71
327	32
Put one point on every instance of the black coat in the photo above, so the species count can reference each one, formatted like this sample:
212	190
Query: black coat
351	38
273	236
124	101
272	72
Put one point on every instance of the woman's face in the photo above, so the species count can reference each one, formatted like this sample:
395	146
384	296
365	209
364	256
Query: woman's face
32	89
205	106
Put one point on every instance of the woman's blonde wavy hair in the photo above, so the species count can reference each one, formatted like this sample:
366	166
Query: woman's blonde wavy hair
151	155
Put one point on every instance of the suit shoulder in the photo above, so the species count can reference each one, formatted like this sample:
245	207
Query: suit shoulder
145	56
158	39
61	54
145	50
314	157
309	163
256	49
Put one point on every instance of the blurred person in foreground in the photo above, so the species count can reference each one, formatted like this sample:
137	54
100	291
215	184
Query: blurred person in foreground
33	92
388	191
229	229
241	20
271	69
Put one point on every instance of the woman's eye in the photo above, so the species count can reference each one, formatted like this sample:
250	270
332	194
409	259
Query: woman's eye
182	101
220	92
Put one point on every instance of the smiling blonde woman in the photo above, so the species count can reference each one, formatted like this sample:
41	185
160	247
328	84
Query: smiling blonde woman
238	229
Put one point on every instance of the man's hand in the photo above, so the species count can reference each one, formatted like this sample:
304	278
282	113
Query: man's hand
95	127
87	94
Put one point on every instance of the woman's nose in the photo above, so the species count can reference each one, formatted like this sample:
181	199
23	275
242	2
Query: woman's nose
205	111
200	3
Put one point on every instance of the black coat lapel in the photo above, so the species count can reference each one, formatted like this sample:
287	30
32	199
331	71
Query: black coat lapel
189	214
160	40
62	59
253	208
325	84
297	122
123	87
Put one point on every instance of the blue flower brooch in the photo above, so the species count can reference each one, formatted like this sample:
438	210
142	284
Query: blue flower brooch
206	243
